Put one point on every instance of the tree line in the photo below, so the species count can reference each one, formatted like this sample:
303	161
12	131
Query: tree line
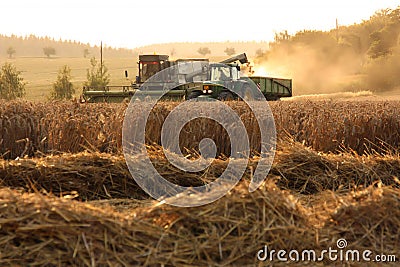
34	46
48	51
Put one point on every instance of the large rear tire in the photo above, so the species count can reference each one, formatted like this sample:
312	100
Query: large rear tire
248	94
226	96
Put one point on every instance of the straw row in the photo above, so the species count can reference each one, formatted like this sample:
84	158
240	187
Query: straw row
90	176
38	230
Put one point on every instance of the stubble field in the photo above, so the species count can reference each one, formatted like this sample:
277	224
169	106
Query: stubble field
67	197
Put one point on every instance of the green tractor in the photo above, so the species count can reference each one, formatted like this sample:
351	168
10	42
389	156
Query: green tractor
226	83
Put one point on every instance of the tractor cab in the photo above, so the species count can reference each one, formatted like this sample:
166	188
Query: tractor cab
224	72
150	65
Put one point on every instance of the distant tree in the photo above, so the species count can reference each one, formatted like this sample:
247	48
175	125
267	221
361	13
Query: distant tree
380	45
204	51
230	51
383	40
281	36
85	52
353	41
49	51
62	87
172	52
97	76
11	51
12	85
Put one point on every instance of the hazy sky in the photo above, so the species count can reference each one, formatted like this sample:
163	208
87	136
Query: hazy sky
128	23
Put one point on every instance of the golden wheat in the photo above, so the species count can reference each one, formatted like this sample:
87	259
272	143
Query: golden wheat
361	126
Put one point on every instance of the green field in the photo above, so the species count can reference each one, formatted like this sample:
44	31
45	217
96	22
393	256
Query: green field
40	73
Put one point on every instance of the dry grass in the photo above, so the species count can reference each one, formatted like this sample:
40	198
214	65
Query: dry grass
40	230
67	232
93	176
360	126
84	209
35	128
332	96
370	218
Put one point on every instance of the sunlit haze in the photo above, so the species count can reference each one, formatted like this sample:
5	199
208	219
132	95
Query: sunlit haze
129	24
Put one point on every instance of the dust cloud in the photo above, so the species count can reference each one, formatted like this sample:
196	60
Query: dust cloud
363	57
313	70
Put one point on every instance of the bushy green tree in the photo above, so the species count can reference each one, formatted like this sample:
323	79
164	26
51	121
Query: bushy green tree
97	76
63	87
12	85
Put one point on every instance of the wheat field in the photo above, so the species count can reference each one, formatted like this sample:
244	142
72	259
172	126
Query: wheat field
67	197
329	126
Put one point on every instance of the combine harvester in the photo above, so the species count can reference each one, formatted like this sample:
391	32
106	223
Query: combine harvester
191	78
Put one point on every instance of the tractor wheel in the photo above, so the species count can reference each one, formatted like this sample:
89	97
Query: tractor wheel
248	94
226	96
193	95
